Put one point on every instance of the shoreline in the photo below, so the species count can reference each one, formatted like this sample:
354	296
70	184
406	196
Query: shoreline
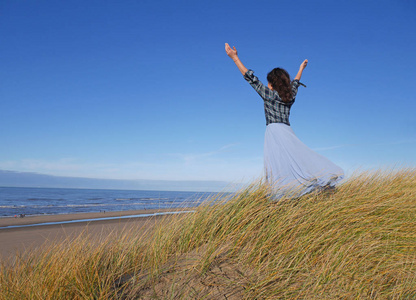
28	234
36	219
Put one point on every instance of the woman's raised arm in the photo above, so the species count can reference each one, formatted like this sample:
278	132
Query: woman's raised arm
232	53
301	68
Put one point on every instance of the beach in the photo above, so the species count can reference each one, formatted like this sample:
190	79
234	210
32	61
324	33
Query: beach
36	231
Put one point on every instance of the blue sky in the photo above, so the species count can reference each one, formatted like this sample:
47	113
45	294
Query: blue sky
144	89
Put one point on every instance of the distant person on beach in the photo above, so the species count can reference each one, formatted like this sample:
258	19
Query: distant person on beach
288	163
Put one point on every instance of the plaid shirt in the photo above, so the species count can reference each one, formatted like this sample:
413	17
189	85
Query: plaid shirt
275	109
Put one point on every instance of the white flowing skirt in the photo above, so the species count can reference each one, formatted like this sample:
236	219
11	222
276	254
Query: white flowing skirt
292	167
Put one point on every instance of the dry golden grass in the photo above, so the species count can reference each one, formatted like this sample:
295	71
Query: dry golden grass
357	242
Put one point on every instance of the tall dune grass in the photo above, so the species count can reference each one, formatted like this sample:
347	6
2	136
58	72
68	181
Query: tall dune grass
357	242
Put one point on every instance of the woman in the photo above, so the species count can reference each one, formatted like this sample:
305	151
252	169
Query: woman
289	164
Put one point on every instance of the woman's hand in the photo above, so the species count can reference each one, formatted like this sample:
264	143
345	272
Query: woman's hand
304	64
301	68
231	52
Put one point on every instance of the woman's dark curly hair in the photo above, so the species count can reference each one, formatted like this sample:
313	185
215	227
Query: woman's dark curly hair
280	81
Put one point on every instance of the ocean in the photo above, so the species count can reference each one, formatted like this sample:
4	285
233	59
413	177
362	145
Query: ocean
51	201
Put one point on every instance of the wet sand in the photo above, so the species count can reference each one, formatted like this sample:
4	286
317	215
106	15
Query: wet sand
18	239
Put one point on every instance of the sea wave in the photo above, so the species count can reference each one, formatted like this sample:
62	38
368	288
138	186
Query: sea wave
95	205
141	198
45	199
